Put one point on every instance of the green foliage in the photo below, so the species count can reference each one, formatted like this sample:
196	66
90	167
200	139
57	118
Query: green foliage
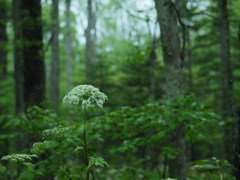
210	168
36	119
154	123
136	137
97	162
2	168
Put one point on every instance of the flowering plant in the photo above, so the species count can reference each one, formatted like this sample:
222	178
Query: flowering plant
85	94
18	158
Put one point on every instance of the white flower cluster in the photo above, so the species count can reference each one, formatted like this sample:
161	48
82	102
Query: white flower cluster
40	147
58	133
85	94
19	158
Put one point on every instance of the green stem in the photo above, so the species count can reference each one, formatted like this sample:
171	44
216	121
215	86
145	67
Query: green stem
220	173
62	158
18	170
58	166
85	141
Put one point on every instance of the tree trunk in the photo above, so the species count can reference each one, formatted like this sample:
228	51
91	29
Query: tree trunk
173	73
228	99
3	40
90	34
184	12
68	46
152	78
18	56
34	69
54	79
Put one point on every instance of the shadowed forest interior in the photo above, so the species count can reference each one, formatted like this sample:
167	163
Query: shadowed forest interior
120	89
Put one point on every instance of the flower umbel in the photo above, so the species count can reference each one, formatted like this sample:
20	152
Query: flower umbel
19	158
40	147
85	94
58	133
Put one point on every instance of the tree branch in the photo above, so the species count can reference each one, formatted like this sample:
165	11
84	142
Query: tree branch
206	14
182	54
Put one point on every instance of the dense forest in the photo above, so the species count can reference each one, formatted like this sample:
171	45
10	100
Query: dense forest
120	89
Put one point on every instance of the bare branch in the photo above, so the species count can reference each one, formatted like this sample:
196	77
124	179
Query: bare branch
206	14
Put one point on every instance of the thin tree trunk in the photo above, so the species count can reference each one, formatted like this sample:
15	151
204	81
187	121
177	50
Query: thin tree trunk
34	68
152	59
173	73
3	40
54	85
18	57
68	46
182	8
90	34
229	102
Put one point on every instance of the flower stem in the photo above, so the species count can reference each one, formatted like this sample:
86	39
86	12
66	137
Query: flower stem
85	141
58	166
18	170
62	158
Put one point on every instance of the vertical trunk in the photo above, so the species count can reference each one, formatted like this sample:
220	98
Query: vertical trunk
228	101
34	69
184	12
173	74
236	139
18	57
3	40
90	34
236	133
182	8
68	45
152	59
54	85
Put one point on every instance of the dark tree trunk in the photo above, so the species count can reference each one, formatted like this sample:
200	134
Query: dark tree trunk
228	99
152	59
3	40
173	73
34	69
18	57
54	79
90	34
237	132
68	46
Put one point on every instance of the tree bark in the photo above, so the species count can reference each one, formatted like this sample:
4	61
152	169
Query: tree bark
68	46
173	73
228	99
18	57
90	33
54	79
3	40
152	58
34	69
